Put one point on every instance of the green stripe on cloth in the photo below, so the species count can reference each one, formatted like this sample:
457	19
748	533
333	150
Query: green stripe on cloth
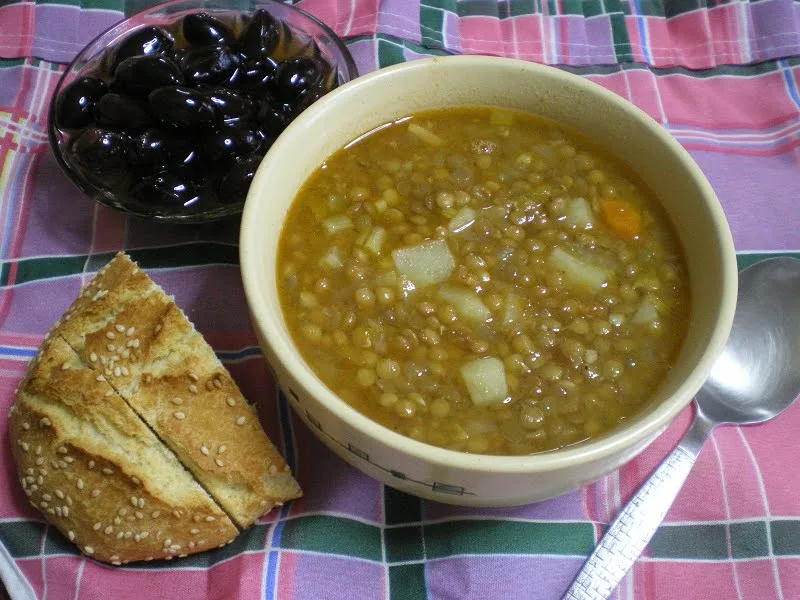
22	538
430	25
507	537
619	33
745	260
333	535
400	507
389	53
696	542
749	540
744	71
785	537
407	582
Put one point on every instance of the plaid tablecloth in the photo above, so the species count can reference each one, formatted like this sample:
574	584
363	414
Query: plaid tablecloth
722	77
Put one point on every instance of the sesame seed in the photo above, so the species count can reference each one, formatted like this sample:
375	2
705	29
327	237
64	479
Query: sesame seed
179	415
101	378
93	357
88	549
209	385
61	464
120	534
110	335
210	519
175	547
130	331
69	459
139	515
54	464
26	426
167	542
117	371
134	501
108	530
24	445
128	535
135	343
136	538
58	510
219	462
65	510
71	535
65	366
122	512
40	461
33	488
119	328
103	360
126	354
30	471
193	388
218	383
40	479
273	469
231	402
263	503
38	450
97	526
117	521
47	497
204	450
191	544
107	471
201	542
177	400
69	500
79	484
197	518
157	328
155	514
176	514
193	377
125	371
241	420
95	493
135	480
45	422
111	348
221	449
109	393
194	531
59	494
144	534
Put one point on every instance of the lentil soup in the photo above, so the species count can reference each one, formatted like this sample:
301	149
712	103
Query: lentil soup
483	280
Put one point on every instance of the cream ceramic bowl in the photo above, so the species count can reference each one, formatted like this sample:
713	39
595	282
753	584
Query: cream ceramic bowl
365	103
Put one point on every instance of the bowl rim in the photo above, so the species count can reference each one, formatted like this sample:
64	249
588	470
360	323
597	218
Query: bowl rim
613	443
100	195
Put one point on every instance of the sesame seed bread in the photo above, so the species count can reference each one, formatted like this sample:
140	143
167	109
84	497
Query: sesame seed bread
87	461
125	380
127	329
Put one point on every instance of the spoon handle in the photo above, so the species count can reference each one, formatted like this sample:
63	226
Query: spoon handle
629	534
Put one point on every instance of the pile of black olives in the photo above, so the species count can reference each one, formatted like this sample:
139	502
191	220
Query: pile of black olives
175	119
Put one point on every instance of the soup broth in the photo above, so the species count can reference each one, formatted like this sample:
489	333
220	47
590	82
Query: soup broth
483	280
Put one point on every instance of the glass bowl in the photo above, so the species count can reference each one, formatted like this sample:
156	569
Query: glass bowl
299	33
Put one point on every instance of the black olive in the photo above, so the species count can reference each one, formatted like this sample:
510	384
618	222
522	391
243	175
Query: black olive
168	189
121	112
100	150
256	74
230	142
295	76
76	101
231	105
148	41
272	118
235	183
155	147
210	66
260	36
181	107
139	75
201	29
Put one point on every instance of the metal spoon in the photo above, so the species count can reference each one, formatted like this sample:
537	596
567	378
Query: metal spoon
756	378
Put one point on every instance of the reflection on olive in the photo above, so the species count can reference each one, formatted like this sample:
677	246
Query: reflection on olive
75	104
230	142
201	29
296	76
231	105
260	36
214	65
147	41
158	148
181	107
139	75
168	188
100	150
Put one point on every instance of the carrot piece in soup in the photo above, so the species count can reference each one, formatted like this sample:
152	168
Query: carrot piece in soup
622	218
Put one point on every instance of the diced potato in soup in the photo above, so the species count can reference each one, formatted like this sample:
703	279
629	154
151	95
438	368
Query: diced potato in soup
483	280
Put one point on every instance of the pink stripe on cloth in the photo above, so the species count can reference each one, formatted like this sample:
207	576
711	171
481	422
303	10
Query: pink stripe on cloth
655	580
69	586
346	17
238	577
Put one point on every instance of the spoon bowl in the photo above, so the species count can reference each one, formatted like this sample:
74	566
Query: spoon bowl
757	375
756	378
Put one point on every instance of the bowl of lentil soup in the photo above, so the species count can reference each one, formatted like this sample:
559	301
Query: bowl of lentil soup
491	289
